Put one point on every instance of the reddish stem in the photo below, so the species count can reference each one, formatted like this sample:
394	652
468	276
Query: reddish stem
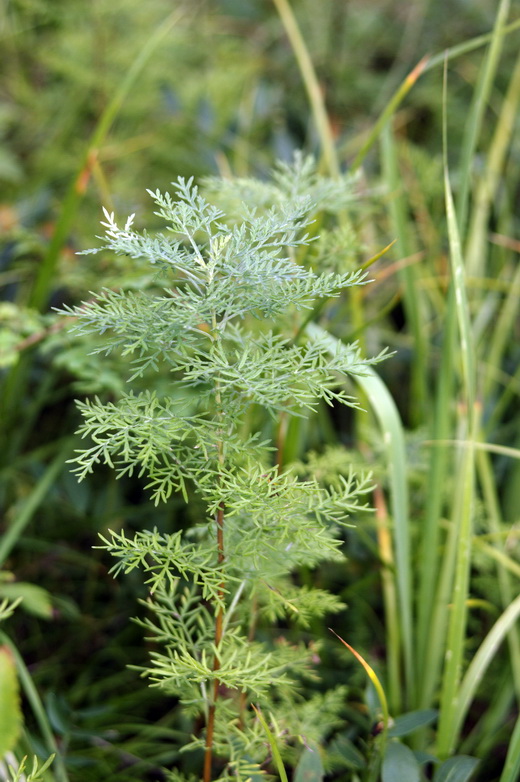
219	618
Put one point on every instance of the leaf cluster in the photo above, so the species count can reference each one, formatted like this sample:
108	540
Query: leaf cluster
211	324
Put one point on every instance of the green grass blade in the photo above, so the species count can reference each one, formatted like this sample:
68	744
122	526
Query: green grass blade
389	420
467	350
493	514
502	336
481	662
469	46
475	119
462	526
10	708
465	482
391	107
32	502
390	602
408	276
511	770
486	190
431	622
426	64
312	85
277	758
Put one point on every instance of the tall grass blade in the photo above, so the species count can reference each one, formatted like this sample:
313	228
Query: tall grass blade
511	770
400	227
467	350
387	415
392	105
462	532
10	709
32	502
373	678
489	492
481	662
431	620
465	483
312	85
277	758
390	602
426	64
476	114
487	187
469	46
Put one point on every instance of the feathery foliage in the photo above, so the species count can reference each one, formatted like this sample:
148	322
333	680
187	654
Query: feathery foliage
207	321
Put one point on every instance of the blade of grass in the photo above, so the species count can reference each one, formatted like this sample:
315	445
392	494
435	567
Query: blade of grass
467	350
503	561
465	492
408	276
373	678
378	752
426	64
487	732
504	450
469	46
475	119
431	621
489	182
493	514
389	589
511	770
502	336
389	420
312	86
273	744
480	664
455	640
33	501
391	107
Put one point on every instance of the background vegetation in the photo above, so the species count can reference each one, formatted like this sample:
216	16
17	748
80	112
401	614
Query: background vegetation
99	101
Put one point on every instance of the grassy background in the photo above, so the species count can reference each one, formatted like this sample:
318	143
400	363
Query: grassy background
100	101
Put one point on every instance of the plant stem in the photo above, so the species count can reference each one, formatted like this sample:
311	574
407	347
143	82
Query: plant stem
219	613
219	618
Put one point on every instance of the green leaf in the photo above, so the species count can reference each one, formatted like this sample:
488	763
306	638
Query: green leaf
343	749
35	599
277	758
408	723
310	767
511	770
10	711
456	769
400	764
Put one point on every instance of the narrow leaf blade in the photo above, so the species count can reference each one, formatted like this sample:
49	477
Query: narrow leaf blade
10	710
